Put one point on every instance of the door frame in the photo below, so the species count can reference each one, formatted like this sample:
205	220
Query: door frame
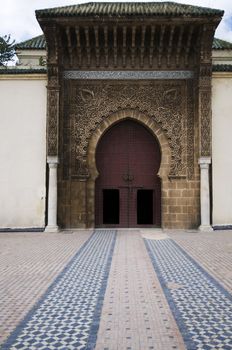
107	123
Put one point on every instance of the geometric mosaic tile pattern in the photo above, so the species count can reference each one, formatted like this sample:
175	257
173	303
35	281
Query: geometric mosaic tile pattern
67	316
29	263
201	306
212	250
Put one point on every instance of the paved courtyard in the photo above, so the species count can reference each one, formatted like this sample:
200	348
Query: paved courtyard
116	290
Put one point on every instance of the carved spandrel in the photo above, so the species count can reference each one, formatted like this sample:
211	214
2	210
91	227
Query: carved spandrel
91	103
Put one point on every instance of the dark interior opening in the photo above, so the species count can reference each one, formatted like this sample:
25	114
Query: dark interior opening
145	207
110	206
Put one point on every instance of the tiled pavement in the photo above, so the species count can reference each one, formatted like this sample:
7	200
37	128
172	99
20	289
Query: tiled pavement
157	293
213	250
135	314
29	262
201	307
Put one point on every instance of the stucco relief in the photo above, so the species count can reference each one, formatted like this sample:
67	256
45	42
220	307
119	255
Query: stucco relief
205	100
53	92
164	102
205	76
53	100
190	130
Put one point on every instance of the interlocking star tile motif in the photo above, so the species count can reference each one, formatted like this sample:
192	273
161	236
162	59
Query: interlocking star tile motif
201	306
67	315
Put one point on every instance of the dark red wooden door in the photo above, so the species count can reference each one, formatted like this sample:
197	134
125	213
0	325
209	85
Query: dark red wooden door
128	189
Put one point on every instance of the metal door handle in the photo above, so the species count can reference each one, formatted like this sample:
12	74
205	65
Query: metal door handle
128	177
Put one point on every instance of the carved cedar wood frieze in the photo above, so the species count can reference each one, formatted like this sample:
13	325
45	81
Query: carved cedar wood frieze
170	104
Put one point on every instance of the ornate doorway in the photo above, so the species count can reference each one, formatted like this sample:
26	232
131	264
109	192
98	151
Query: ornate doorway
128	190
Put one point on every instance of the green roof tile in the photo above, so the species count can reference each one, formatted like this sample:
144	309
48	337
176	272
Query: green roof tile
118	9
222	68
37	43
23	71
219	44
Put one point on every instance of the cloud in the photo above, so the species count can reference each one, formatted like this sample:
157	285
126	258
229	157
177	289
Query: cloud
224	30
18	17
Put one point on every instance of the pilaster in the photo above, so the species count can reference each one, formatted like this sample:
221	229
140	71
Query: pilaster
204	163
53	102
52	195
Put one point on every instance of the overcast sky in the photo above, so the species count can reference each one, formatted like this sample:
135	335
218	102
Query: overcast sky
17	17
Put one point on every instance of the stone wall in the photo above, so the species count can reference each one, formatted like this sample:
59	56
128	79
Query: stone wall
165	107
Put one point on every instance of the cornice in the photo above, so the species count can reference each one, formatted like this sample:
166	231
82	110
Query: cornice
23	76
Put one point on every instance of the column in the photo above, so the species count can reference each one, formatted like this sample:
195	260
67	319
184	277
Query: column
52	195
204	193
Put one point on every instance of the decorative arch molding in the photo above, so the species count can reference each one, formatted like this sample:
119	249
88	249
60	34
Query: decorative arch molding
165	108
141	118
107	123
167	103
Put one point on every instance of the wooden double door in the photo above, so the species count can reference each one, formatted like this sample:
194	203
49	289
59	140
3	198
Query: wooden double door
127	190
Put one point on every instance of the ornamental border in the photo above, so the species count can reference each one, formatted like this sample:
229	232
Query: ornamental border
129	75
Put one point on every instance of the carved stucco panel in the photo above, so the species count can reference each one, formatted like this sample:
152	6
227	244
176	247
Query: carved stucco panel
190	130
164	102
205	125
205	113
53	107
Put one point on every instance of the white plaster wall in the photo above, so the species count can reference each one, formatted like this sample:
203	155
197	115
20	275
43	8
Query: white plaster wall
30	58
222	56
22	152
222	148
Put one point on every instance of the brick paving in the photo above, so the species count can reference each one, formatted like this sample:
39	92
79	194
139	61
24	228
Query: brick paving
135	313
29	262
201	306
212	250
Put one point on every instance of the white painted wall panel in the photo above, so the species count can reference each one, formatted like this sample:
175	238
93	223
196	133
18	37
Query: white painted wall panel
222	149
22	153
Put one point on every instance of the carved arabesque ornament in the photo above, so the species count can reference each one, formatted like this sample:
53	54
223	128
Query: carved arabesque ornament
53	89
52	123
205	114
205	125
53	93
205	80
165	103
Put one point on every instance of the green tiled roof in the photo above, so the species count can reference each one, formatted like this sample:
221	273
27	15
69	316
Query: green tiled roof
222	68
37	43
219	44
118	9
40	43
23	71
